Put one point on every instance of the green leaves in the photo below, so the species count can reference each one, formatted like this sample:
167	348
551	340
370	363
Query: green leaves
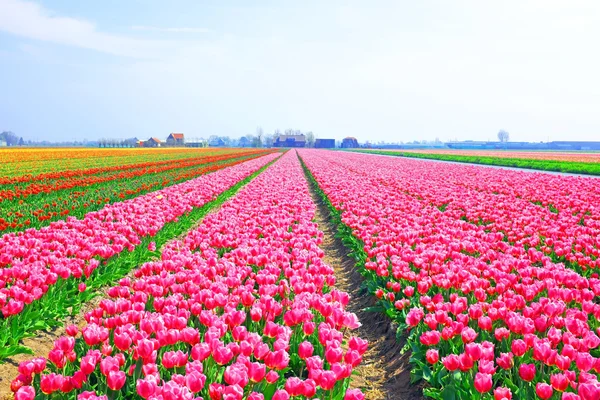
589	168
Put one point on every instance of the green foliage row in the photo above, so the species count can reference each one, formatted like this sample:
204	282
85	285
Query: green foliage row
572	167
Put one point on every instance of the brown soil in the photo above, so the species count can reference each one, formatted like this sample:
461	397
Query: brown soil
41	344
384	373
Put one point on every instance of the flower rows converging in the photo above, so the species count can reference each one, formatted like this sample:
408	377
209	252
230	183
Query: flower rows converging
28	201
243	307
491	271
34	260
25	164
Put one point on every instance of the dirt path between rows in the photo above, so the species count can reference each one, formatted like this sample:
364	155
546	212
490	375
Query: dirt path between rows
384	373
43	341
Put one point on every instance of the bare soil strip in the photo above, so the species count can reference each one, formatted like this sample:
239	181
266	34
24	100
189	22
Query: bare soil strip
40	344
384	373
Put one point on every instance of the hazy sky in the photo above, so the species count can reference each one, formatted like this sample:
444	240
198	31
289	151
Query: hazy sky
378	70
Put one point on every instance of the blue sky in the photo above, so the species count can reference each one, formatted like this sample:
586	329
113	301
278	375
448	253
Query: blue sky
378	70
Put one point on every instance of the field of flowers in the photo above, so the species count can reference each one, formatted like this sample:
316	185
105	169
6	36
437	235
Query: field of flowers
40	186
491	273
216	287
579	156
44	272
576	162
242	306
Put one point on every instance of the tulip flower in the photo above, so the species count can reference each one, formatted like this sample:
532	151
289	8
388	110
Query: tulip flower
483	382
527	372
543	390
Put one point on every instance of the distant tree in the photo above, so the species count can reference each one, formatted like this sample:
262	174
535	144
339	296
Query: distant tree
310	139
259	136
276	135
21	142
226	140
289	131
503	136
10	138
268	140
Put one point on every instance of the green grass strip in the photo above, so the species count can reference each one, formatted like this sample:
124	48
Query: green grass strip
573	167
63	299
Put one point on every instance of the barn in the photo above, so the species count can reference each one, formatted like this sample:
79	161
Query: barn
152	142
175	139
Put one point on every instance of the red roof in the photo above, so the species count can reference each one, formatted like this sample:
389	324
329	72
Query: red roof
155	139
177	135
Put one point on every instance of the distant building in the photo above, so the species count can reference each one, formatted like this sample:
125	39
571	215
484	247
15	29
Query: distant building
325	143
152	142
2	143
290	141
198	143
216	142
175	139
350	143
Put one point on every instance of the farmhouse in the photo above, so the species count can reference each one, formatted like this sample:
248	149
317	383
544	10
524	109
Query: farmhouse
290	141
175	139
216	142
152	142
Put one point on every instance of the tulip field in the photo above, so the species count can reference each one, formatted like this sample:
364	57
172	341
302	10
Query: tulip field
574	162
207	279
38	186
491	273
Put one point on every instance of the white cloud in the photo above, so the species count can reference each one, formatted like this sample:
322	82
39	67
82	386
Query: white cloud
170	30
30	20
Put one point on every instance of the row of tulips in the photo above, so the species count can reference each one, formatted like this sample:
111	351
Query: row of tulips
554	216
485	319
539	214
41	270
81	179
26	164
576	164
104	163
241	308
38	204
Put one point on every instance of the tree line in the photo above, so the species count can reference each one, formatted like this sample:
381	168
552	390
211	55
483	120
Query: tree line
11	139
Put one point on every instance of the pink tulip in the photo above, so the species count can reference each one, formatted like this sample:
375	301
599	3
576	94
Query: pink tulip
25	393
115	379
527	372
483	382
543	390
